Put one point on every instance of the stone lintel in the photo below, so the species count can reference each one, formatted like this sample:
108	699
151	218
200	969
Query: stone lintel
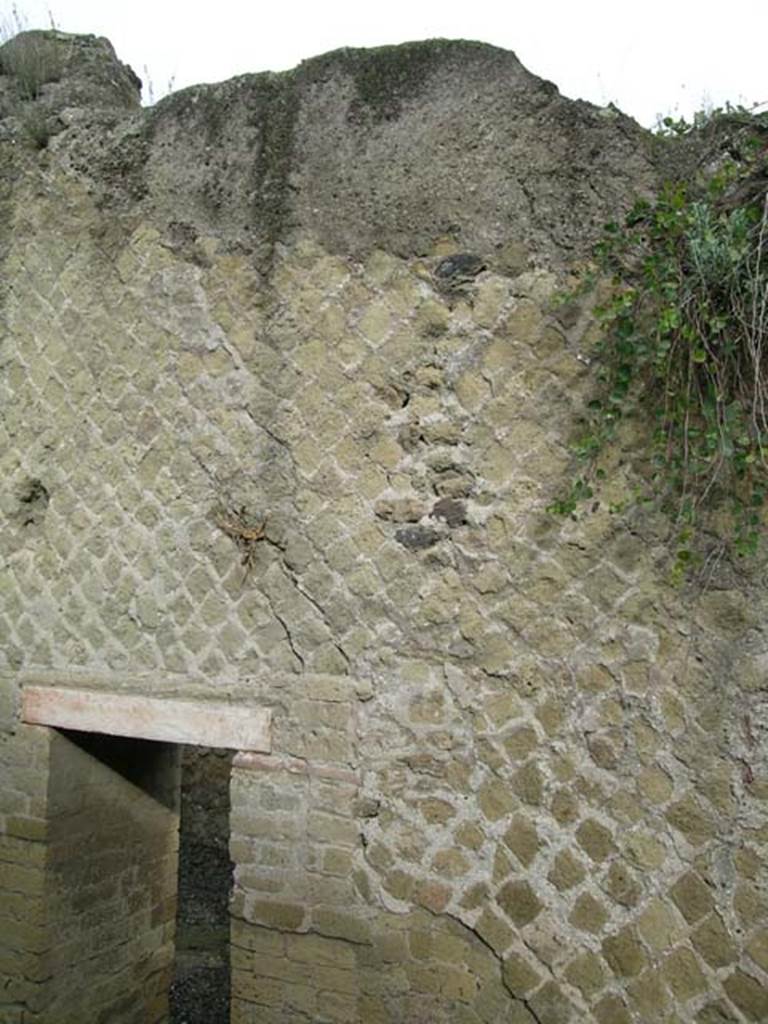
198	722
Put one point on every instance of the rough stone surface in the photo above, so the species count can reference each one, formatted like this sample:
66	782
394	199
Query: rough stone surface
200	990
362	149
516	774
172	721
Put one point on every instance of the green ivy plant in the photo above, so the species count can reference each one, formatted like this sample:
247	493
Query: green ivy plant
685	345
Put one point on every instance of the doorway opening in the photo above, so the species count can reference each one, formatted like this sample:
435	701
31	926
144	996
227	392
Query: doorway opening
110	877
137	905
136	844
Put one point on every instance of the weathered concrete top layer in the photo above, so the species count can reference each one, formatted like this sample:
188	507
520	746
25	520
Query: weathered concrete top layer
393	148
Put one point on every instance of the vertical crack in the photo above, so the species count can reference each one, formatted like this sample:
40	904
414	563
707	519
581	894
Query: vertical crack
318	608
289	636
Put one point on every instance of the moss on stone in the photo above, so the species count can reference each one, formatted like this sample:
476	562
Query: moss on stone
387	76
271	101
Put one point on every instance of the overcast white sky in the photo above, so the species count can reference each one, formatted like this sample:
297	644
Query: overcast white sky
649	58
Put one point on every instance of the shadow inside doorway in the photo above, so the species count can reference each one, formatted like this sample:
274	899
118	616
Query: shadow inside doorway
200	990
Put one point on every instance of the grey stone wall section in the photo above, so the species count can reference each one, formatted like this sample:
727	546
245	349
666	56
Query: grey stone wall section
9	703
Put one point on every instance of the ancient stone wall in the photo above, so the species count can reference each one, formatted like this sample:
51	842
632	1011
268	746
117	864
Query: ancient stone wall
110	869
88	876
517	775
23	816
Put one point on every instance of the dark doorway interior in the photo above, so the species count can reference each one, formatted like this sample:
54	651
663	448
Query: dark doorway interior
200	990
